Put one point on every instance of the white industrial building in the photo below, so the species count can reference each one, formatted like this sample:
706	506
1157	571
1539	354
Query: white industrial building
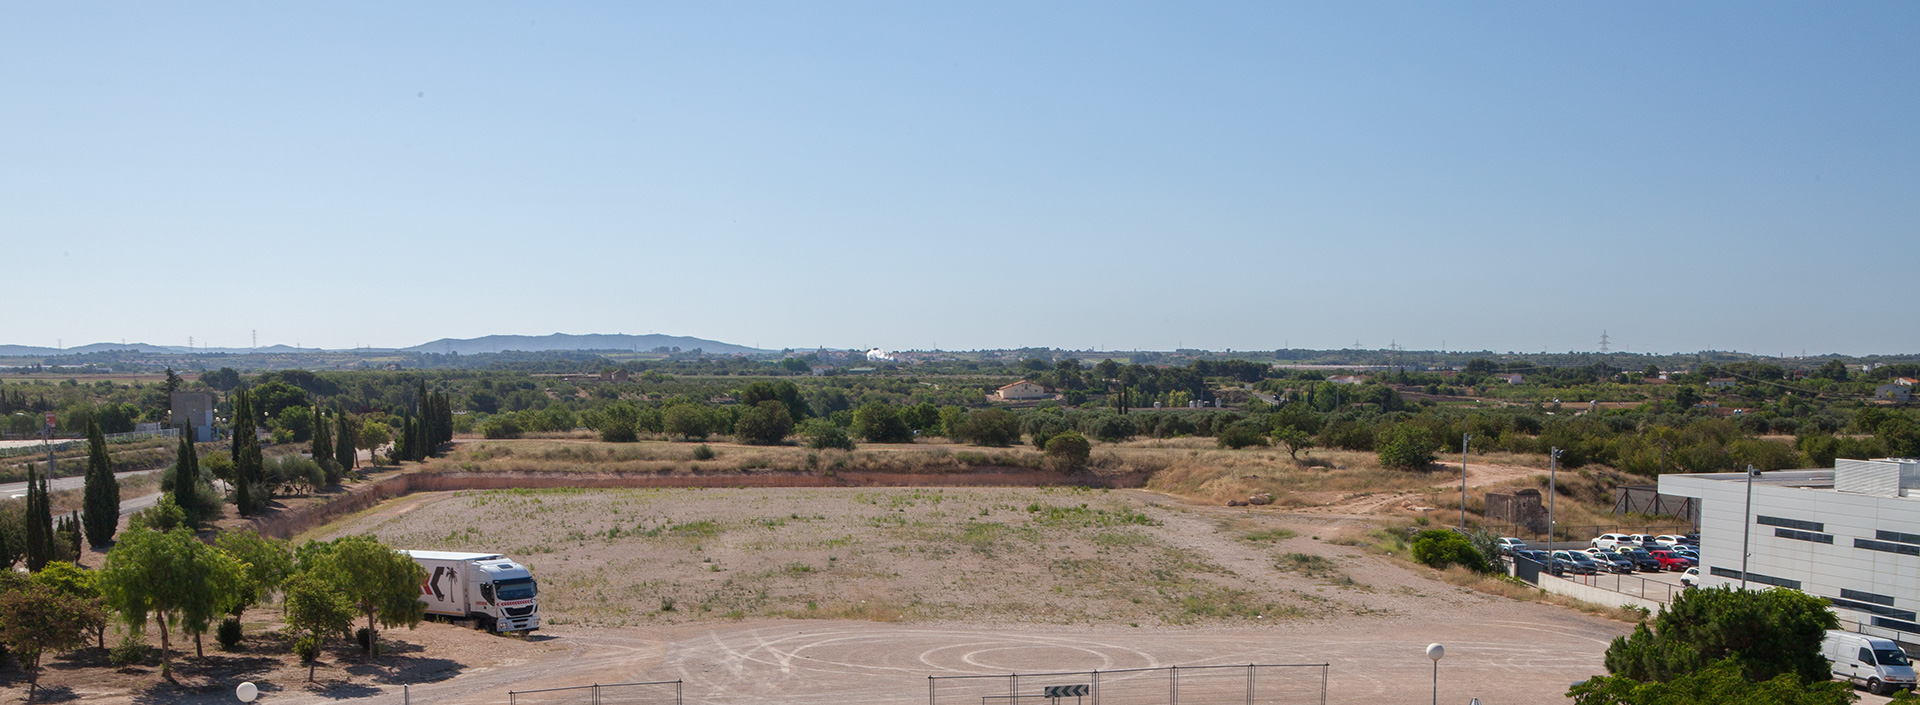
1850	534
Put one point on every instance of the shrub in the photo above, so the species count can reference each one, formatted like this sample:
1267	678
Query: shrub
1408	447
822	434
1439	548
765	423
702	452
1069	450
364	637
228	634
989	427
499	427
1240	435
131	650
307	648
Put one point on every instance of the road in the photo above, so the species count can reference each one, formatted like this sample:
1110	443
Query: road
127	506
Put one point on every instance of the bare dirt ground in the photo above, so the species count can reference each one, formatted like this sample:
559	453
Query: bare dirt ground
762	582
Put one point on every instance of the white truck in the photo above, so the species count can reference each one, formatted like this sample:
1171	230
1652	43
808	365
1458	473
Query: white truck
1876	663
498	594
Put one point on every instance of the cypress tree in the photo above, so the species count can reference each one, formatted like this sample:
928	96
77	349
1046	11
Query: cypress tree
322	440
102	495
246	454
186	476
343	440
39	522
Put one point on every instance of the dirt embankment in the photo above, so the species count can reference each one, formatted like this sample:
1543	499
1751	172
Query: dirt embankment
326	509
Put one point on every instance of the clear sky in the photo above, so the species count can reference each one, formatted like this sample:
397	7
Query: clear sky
1505	176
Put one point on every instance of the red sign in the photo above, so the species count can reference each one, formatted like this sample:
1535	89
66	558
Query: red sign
49	419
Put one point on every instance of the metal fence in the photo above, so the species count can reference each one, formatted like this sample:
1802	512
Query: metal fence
65	443
1633	585
651	693
1250	684
1582	532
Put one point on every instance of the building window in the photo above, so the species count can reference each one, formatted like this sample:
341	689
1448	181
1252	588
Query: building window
1872	545
1799	535
1897	537
1874	609
1790	523
1732	574
1908	627
1863	596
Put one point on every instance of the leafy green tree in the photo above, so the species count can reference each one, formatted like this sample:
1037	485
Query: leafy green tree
1069	450
266	564
990	427
1766	633
781	391
38	619
1721	682
70	580
1406	446
1293	439
879	422
185	485
372	436
823	434
619	422
765	423
688	420
1686	397
382	584
316	609
171	385
101	501
223	379
1834	370
170	576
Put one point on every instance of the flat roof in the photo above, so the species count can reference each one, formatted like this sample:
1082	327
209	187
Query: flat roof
453	555
1809	479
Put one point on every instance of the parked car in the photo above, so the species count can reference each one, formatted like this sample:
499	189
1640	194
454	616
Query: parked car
1878	664
1641	558
1611	561
1691	578
1641	540
1670	560
1575	562
1688	552
1509	545
1691	539
1607	540
1669	540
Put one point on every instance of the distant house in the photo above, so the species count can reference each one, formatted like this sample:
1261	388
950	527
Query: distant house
1893	392
617	376
1906	381
1512	378
1023	389
1722	383
1346	379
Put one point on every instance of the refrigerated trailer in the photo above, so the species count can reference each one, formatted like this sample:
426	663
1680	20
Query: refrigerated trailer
498	594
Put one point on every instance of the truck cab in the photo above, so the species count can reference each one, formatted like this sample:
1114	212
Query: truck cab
1876	663
498	594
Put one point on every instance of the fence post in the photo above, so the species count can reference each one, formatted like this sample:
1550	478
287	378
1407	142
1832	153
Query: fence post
1173	685
1249	684
676	696
677	685
1323	682
1096	687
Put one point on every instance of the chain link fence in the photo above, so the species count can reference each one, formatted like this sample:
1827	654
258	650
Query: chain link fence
1250	684
651	693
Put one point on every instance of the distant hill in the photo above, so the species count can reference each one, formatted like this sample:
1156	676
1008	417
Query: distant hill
34	350
562	341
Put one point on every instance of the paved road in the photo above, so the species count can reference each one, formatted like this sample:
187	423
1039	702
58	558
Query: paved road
127	506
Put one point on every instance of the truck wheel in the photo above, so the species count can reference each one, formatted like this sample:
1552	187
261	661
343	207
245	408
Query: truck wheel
1873	686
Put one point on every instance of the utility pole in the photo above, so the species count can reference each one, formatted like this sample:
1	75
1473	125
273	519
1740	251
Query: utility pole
1465	438
1553	486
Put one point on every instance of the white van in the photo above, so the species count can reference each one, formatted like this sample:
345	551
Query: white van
1878	664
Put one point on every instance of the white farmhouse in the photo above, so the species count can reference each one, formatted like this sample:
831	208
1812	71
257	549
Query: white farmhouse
1022	389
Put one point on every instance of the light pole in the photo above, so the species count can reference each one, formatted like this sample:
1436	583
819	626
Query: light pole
1553	487
1465	438
1435	651
1746	527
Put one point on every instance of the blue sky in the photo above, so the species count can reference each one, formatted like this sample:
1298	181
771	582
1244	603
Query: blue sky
1505	176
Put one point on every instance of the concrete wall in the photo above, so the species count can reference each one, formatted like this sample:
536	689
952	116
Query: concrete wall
1598	596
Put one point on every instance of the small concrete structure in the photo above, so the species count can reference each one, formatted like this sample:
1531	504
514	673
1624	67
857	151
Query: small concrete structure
194	409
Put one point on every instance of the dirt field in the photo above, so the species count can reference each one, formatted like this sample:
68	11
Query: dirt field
857	595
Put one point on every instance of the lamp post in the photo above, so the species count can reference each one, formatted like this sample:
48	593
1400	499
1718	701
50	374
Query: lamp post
1746	527
1435	651
1465	438
1553	486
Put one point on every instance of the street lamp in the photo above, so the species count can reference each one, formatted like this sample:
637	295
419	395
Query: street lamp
1746	527
1435	651
1553	488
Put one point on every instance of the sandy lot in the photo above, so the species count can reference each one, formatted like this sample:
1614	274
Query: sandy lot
762	583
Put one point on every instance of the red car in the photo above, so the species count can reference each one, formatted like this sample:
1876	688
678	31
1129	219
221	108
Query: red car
1668	561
